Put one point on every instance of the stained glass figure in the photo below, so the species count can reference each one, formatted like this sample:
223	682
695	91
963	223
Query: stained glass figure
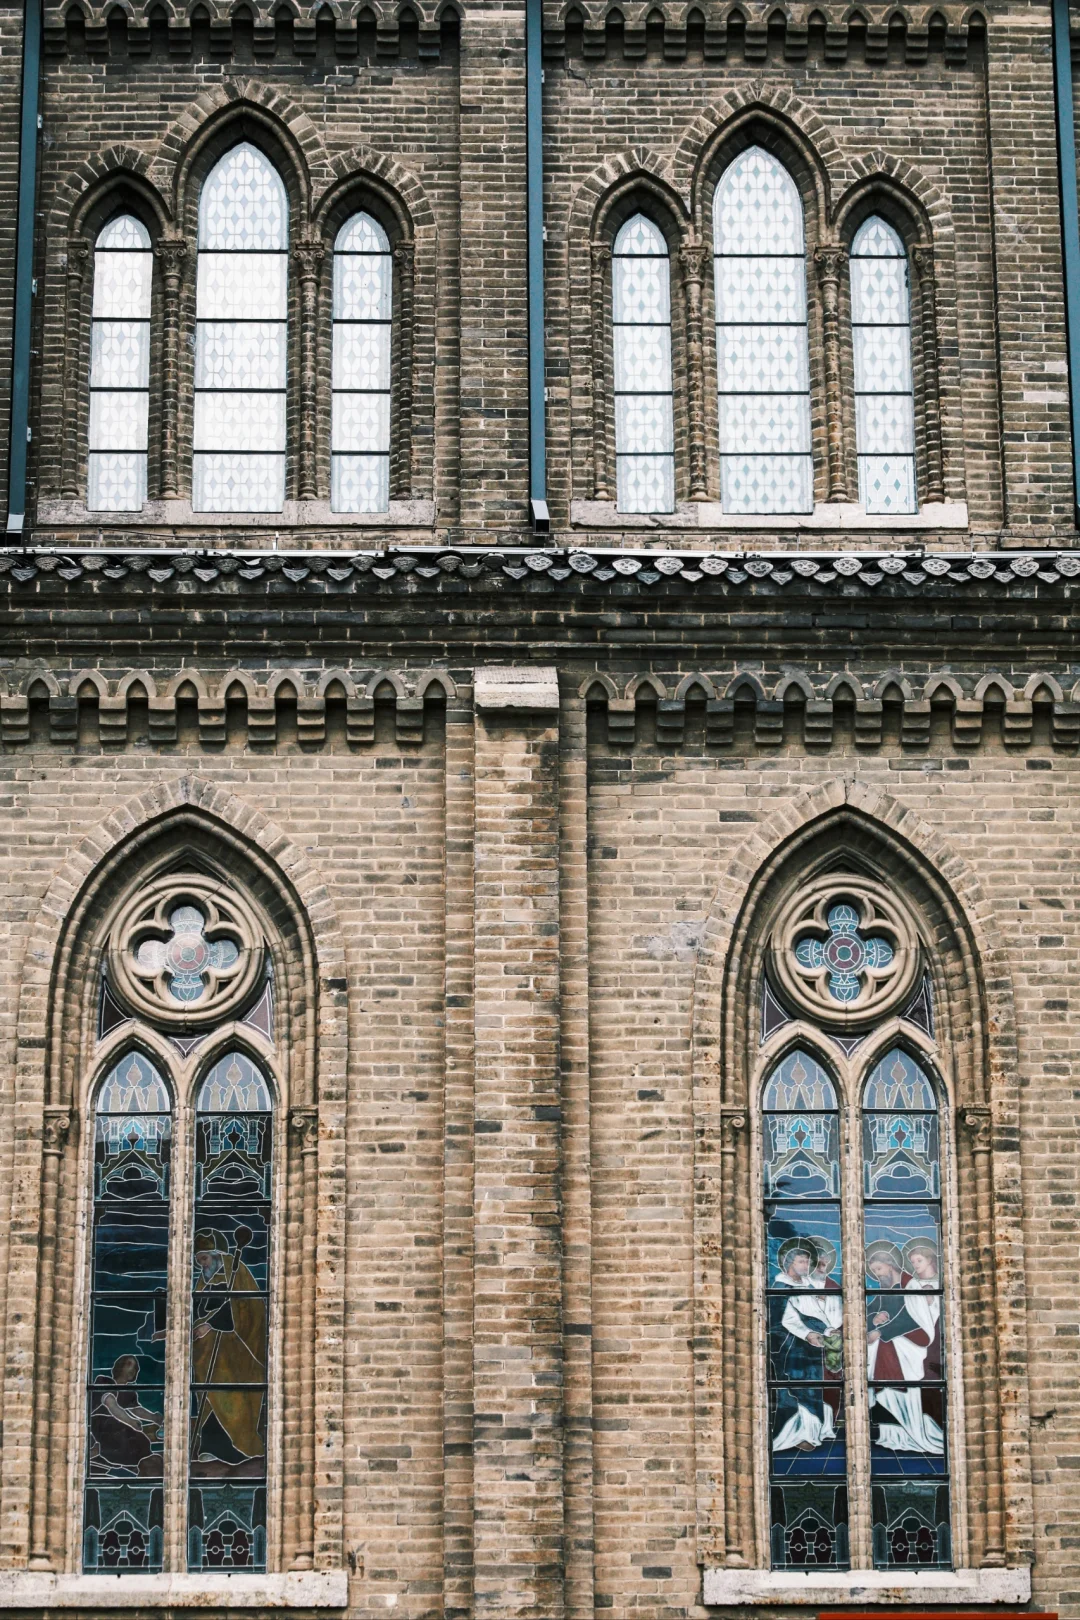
804	1294
360	431
845	955
240	337
762	353
641	328
122	1497
905	1359
119	367
230	1318
881	335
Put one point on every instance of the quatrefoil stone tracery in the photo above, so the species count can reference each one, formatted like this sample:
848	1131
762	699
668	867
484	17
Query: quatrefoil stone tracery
844	952
185	952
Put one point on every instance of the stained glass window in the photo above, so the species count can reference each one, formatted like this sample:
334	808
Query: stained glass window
901	1172
230	1318
641	321
119	368
881	335
240	337
123	1507
762	354
805	1301
360	432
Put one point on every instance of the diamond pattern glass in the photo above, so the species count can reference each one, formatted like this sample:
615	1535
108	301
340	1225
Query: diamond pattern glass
881	338
361	375
762	352
641	332
119	367
242	294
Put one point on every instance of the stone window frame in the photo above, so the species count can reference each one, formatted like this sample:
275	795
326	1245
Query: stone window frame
75	1062
974	1056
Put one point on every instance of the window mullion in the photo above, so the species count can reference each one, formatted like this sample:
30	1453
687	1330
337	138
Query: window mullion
178	1348
855	1348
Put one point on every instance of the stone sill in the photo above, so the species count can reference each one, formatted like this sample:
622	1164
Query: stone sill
838	518
179	515
929	1589
300	1589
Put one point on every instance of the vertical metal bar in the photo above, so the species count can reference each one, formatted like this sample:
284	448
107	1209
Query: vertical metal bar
1070	223
534	166
22	321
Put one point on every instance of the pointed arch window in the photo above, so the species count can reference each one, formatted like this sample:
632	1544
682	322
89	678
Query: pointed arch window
641	328
361	382
240	337
120	367
881	338
762	351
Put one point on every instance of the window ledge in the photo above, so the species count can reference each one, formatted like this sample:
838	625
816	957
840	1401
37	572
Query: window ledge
825	517
418	514
822	1589
217	1589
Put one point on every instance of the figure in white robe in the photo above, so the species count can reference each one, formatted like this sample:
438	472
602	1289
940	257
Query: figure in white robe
910	1347
811	1324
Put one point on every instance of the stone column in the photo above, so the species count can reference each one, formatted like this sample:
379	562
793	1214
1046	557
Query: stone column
307	263
401	464
172	256
694	261
517	1315
922	259
305	1126
78	257
830	262
55	1128
601	270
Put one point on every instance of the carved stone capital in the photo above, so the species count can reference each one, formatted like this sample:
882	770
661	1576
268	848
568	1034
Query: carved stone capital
304	1122
977	1121
830	261
171	253
732	1125
922	259
600	253
405	254
307	258
78	257
54	1130
694	259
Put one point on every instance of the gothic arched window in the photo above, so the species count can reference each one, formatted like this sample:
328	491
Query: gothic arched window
762	352
240	337
881	337
641	329
362	314
119	367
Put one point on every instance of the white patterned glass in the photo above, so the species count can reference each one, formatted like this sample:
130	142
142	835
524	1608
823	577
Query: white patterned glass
881	339
361	378
242	294
641	329
762	352
119	368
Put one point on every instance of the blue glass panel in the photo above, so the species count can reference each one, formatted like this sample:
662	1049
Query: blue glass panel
806	1432
798	1082
897	1082
802	1157
900	1156
903	1241
803	1245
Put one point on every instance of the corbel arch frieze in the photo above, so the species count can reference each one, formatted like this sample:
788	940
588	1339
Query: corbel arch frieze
856	826
192	822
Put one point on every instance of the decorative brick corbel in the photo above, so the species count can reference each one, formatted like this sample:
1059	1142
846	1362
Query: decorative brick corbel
601	263
405	260
307	258
78	257
694	261
622	721
172	255
830	262
922	258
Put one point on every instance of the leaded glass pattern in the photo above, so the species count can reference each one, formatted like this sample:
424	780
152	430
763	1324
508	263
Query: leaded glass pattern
762	352
123	1507
901	1170
881	338
641	329
805	1305
361	381
119	368
240	337
230	1304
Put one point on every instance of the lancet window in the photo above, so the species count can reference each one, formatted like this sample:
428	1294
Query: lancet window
641	327
120	367
881	337
362	313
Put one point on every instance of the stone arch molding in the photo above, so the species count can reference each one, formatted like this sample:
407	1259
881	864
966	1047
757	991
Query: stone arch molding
850	825
183	823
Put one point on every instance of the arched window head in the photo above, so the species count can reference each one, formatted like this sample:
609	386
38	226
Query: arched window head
230	1314
240	339
362	314
123	1506
119	367
901	1176
804	1290
881	336
641	321
762	353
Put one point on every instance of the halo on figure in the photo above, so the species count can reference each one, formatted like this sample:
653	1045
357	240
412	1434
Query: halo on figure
883	1249
210	1241
824	1250
925	1246
797	1245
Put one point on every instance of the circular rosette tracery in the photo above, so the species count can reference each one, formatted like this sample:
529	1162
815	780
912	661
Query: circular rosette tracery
185	952
844	953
